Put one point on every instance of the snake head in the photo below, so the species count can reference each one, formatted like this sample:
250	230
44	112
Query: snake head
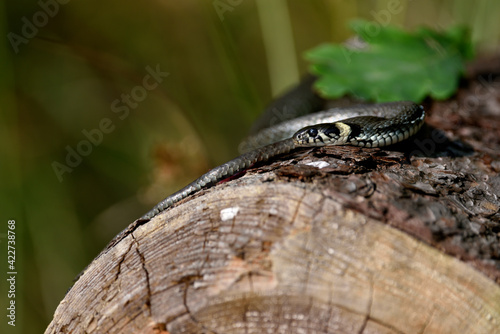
322	134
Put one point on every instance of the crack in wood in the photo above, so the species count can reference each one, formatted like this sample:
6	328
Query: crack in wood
146	272
121	261
368	308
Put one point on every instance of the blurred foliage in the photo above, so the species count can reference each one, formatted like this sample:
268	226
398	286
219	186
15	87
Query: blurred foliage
390	64
83	63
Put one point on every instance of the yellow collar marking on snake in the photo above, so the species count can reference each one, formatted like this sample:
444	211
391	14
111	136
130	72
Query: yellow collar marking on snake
345	131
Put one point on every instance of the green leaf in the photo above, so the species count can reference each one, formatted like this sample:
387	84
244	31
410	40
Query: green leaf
395	65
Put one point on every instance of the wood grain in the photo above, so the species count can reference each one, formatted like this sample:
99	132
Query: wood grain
291	259
324	240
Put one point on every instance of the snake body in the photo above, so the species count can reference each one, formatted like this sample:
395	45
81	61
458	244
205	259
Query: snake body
287	128
374	126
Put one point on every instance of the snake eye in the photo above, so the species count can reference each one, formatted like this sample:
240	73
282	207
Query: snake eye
312	132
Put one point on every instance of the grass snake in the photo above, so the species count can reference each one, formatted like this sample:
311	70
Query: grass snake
367	126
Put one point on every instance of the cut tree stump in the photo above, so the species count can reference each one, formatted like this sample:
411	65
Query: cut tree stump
404	239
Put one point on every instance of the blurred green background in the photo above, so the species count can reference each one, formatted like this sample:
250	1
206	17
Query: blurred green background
83	63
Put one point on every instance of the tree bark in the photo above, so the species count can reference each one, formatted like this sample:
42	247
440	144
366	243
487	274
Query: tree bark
324	240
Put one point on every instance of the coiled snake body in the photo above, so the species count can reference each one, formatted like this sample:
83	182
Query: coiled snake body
373	126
